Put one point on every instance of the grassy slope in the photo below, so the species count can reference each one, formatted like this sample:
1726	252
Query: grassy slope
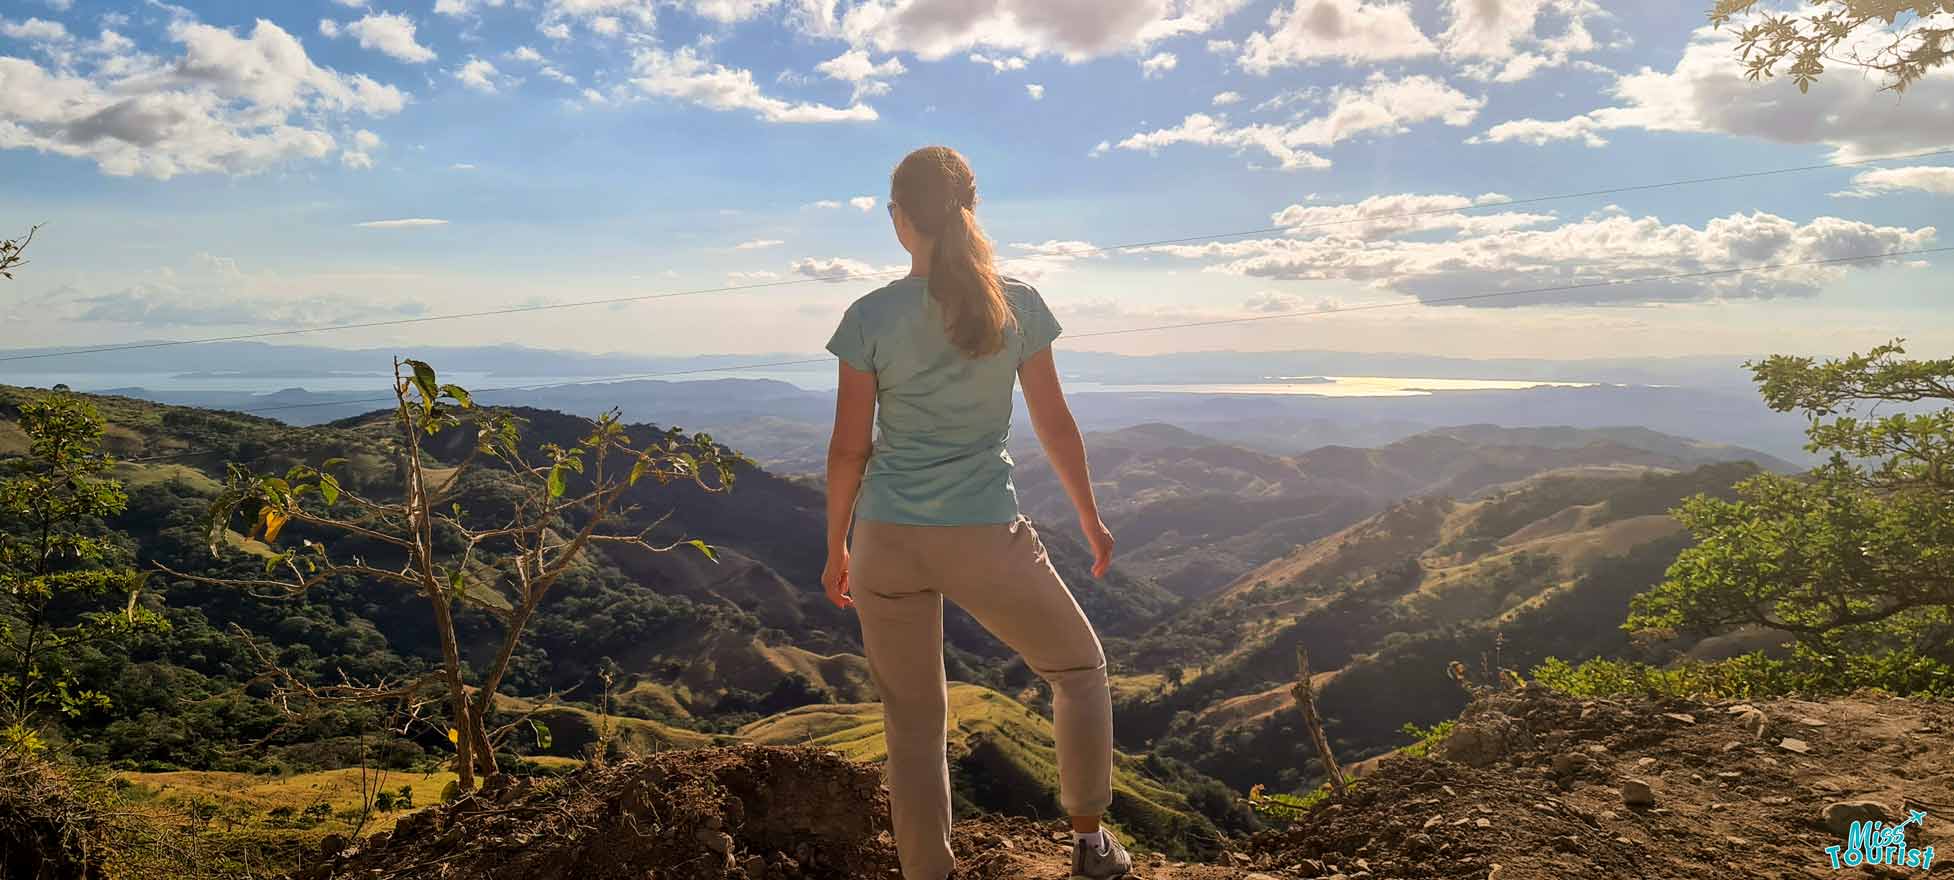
997	738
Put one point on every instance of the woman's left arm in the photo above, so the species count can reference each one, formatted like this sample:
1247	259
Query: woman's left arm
848	453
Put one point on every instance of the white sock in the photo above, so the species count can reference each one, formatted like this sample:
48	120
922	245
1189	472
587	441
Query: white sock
1096	839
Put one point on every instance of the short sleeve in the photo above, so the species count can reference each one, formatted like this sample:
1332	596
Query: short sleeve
1037	326
850	342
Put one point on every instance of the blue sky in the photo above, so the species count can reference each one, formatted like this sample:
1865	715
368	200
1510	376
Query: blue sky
227	167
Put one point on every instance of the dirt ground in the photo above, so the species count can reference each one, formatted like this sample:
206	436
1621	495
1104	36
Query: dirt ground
1530	788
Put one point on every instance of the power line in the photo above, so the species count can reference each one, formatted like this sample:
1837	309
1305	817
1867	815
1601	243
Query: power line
1082	252
1299	313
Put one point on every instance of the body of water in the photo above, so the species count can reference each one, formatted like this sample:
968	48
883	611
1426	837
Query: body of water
814	380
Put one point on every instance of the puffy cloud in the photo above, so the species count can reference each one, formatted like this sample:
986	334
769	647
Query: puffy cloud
1354	31
863	204
683	75
835	269
479	75
1226	98
999	65
729	11
855	66
1706	92
1393	215
390	34
1036	91
35	30
828	204
1505	34
1602	254
1076	29
328	28
1270	302
229	104
1936	179
1381	106
528	55
404	223
758	244
1065	249
360	155
1159	65
464	8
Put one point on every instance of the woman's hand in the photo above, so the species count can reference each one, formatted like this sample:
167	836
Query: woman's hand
1101	540
834	579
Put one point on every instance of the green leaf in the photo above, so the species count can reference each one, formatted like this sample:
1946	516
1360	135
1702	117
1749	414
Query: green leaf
542	731
424	378
460	395
705	548
332	463
556	482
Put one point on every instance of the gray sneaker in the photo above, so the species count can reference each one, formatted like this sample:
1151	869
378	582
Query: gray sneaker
1091	864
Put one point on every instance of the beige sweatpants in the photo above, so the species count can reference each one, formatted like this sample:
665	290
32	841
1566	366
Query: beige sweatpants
900	575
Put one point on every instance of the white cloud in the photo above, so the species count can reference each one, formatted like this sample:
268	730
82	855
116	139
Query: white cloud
328	28
729	11
1270	302
828	204
59	5
351	4
683	75
404	223
1354	31
1496	31
1062	249
1602	253
855	66
478	74
462	166
229	104
999	65
1395	215
554	30
1159	65
1706	92
1936	179
1036	91
528	55
1381	106
1075	29
463	8
863	204
392	35
1226	98
834	269
758	244
35	30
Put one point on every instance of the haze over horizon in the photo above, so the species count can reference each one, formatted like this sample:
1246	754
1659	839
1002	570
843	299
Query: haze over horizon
212	169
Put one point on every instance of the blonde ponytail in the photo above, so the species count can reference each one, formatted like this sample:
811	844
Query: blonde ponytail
938	192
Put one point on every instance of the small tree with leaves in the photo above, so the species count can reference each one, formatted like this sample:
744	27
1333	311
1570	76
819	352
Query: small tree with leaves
1856	559
554	505
64	587
1902	40
11	251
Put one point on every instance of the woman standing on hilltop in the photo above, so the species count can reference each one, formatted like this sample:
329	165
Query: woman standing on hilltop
935	514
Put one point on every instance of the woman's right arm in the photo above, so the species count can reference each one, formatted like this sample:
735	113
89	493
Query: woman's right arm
1058	432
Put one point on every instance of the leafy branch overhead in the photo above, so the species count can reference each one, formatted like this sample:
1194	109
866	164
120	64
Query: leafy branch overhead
490	534
1852	559
1901	41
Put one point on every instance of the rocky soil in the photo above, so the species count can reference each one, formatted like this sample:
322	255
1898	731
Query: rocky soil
1532	786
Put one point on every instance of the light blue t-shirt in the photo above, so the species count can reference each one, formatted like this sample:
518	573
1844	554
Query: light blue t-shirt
939	457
